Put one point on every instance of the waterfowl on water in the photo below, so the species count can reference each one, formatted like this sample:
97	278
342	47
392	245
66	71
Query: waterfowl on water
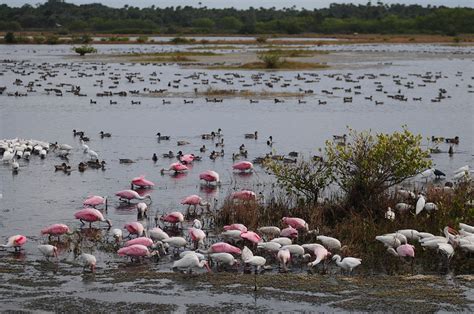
102	134
162	137
251	135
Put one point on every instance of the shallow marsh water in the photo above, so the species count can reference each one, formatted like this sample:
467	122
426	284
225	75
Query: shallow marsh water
38	196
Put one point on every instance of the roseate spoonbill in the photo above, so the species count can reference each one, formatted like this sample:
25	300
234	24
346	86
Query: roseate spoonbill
243	166
128	195
432	242
233	235
55	230
403	207
140	240
135	251
284	258
251	236
410	234
289	232
176	242
246	254
256	261
348	263
296	223
272	247
391	239
321	254
187	158
329	242
199	255
282	241
420	204
135	228
142	210
48	250
244	195
91	215
210	177
222	247
269	231
197	236
88	260
236	226
466	227
176	168
95	200
446	250
15	242
189	262
195	200
404	250
157	234
173	218
141	182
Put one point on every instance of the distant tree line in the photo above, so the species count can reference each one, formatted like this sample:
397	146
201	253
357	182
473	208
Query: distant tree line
59	16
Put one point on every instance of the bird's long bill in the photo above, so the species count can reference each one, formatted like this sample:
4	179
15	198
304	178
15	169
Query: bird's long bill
209	270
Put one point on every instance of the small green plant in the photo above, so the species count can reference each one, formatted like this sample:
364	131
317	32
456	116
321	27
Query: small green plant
180	41
271	60
85	49
142	39
10	38
52	40
261	39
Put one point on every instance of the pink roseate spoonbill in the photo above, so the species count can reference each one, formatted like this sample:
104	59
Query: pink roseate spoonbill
222	247
197	236
140	240
95	200
195	200
289	232
332	244
48	250
251	236
209	177
243	166
141	182
142	210
55	230
239	227
321	254
175	168
91	215
135	251
88	261
15	242
404	250
187	158
244	195
128	195
296	223
135	228
189	262
284	257
173	218
348	263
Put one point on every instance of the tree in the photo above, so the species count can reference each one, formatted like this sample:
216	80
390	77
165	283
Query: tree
206	23
83	50
302	179
10	38
271	60
367	165
230	23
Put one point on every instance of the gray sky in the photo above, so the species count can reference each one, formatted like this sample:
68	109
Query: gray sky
308	4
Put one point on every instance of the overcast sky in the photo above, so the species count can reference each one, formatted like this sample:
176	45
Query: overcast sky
308	4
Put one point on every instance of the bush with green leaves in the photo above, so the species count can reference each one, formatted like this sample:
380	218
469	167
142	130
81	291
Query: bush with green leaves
85	49
305	178
10	38
368	165
271	60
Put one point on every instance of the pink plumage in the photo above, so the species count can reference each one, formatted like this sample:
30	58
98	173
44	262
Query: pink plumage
209	176
405	250
55	229
244	195
243	166
134	228
135	250
94	201
142	182
174	217
192	200
239	227
89	215
289	232
178	167
296	223
187	159
196	234
222	247
141	240
251	236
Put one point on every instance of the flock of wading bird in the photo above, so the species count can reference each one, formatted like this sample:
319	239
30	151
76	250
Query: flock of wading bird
186	243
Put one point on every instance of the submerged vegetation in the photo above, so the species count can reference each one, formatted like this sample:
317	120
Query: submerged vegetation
59	16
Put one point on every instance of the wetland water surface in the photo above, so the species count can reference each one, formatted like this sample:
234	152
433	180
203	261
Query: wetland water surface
37	196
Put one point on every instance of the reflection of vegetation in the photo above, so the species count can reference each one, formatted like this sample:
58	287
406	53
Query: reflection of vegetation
338	18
